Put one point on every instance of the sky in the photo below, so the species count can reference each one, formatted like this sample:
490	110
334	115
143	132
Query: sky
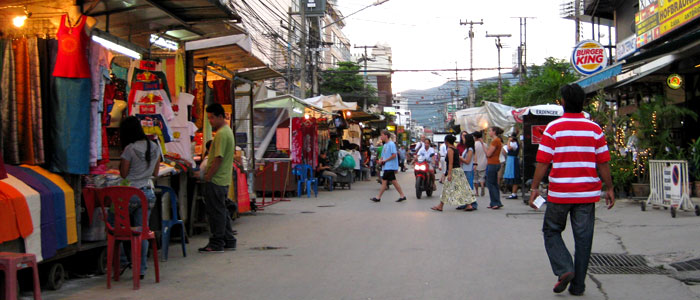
428	35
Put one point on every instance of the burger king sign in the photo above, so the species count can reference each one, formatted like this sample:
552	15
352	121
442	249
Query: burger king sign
589	57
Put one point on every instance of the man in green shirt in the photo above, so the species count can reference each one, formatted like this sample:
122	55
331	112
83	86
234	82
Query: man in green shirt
217	179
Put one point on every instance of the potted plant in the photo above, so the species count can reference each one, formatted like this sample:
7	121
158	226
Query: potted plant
652	126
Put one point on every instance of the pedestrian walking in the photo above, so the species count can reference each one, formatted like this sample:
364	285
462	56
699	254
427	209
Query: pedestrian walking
390	164
576	149
493	166
512	172
217	179
402	158
456	190
443	164
480	164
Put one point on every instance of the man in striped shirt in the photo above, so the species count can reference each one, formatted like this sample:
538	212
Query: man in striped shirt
576	149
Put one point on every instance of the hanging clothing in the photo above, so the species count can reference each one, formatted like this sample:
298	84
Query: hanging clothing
183	130
71	130
179	73
24	105
9	107
15	216
304	142
222	91
72	59
35	97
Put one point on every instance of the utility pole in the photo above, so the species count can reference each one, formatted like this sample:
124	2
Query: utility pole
302	82
522	49
472	93
577	19
365	58
498	47
290	35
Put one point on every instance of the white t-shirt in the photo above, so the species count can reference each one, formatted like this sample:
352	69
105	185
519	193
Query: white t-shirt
504	153
480	153
419	146
424	155
513	145
357	156
443	150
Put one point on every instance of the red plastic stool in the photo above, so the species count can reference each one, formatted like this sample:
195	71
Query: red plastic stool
10	263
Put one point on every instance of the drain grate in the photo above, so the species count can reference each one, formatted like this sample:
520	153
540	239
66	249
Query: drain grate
688	265
602	263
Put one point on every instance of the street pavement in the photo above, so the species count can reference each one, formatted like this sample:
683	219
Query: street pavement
343	246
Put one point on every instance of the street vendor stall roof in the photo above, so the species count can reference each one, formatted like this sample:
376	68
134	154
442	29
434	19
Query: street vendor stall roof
294	105
331	103
361	116
232	52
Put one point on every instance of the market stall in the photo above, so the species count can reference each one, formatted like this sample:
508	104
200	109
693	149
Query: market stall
287	134
68	77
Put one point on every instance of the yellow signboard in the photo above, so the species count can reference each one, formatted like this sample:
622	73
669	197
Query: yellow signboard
663	16
674	14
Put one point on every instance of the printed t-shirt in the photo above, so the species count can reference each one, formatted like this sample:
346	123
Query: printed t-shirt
480	154
574	146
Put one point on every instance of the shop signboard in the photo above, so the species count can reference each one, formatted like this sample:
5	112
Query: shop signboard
626	47
589	57
658	18
451	108
537	132
401	129
674	81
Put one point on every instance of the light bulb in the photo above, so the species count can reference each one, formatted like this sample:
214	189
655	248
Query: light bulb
18	21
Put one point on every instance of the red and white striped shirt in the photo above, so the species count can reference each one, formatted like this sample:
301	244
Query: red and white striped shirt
574	146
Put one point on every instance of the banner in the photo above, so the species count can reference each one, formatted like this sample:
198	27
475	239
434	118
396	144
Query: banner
658	18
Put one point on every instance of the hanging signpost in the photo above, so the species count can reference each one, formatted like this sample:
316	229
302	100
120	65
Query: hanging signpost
589	57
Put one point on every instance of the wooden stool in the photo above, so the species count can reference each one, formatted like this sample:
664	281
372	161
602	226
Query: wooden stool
10	263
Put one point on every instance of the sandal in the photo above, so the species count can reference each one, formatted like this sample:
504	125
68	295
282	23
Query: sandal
470	208
497	207
435	208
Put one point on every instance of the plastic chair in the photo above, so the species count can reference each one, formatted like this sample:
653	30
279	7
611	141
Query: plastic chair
168	224
305	178
117	198
10	263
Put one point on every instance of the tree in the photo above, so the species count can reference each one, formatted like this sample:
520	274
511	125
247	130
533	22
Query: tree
488	91
542	84
347	81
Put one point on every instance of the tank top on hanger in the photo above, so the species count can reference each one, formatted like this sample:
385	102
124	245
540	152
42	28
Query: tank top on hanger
72	59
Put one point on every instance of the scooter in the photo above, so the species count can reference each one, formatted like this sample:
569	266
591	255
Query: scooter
425	178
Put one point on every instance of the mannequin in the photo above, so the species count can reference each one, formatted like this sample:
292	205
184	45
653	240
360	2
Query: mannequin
73	17
117	113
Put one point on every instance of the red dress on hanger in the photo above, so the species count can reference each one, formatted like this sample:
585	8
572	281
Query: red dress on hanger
72	59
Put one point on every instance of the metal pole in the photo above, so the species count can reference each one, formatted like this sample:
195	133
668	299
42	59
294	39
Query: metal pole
290	31
577	20
302	83
500	87
472	92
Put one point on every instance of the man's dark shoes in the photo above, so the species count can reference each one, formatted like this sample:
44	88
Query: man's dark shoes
573	293
210	249
461	207
375	199
512	197
563	282
401	199
230	246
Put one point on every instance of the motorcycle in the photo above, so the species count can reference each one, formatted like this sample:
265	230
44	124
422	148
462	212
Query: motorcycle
425	178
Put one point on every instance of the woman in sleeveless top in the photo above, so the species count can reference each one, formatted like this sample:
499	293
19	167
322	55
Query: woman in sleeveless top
512	172
456	190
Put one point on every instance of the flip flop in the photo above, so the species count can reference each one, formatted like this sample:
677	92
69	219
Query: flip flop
435	208
497	207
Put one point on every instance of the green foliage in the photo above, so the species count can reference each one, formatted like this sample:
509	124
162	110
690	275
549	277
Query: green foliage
694	159
542	84
349	84
488	91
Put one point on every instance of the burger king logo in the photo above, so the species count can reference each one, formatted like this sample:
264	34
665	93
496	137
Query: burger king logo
589	57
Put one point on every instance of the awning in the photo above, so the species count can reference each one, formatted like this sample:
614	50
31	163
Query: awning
676	46
331	103
231	52
180	19
361	116
646	69
259	74
602	79
295	106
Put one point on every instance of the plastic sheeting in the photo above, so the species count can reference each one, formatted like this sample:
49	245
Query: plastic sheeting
331	103
504	116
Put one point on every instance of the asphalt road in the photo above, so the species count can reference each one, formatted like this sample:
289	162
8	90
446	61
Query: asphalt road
343	246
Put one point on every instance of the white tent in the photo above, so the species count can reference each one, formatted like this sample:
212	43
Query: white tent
490	114
331	103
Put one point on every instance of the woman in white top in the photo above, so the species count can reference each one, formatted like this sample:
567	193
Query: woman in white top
512	172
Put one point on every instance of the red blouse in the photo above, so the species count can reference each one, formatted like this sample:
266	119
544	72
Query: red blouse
72	59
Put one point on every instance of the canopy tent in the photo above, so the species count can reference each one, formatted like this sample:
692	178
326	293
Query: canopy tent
483	117
494	114
272	111
331	103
